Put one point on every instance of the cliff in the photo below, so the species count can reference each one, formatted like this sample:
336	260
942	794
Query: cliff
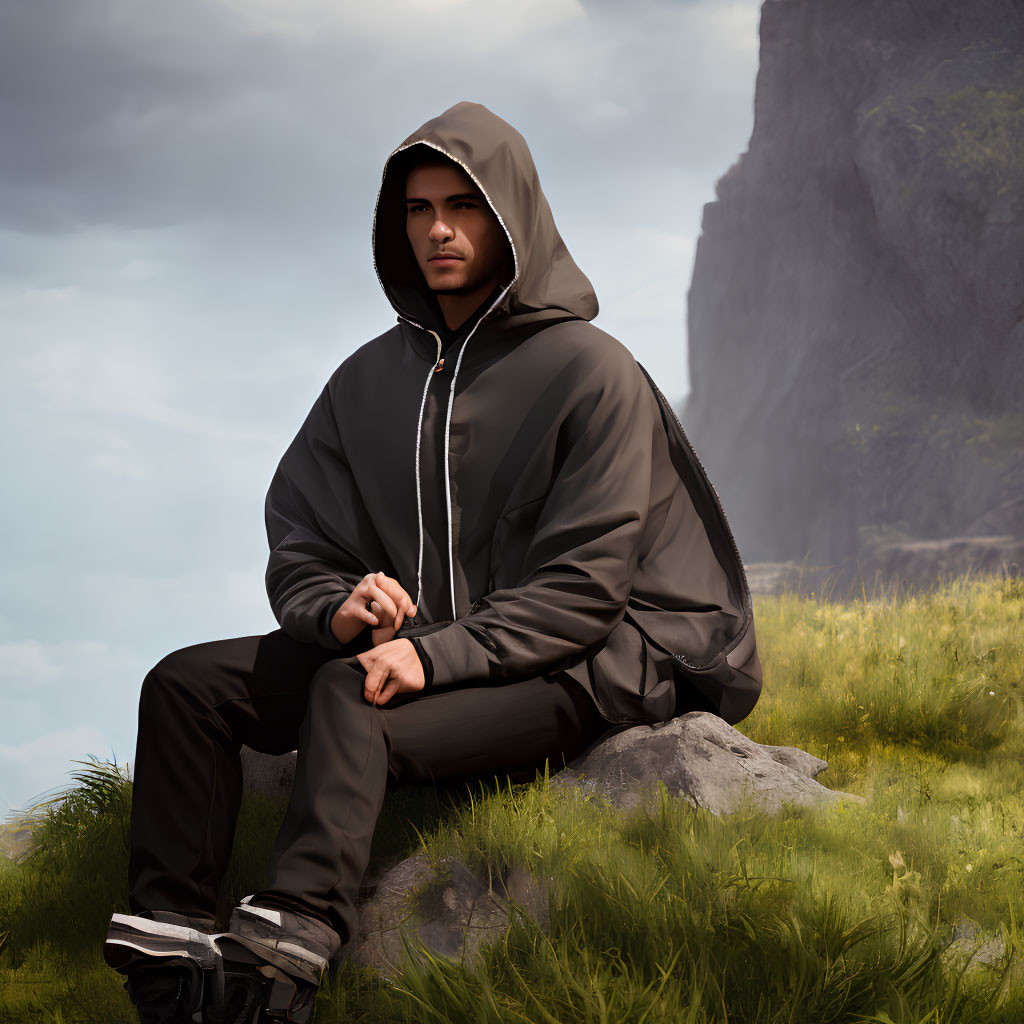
856	313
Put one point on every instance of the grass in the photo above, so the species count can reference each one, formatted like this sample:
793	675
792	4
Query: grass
845	915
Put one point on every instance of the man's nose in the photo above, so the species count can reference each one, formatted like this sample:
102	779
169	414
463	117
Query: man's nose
440	232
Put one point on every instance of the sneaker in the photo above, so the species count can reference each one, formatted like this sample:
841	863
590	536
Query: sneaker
277	957
166	963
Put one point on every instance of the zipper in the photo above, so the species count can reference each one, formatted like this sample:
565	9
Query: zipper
447	443
447	440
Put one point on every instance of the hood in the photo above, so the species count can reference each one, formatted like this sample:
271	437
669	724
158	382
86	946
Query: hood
497	159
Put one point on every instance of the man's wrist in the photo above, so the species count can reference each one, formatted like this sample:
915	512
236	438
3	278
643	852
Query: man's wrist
333	614
428	666
454	655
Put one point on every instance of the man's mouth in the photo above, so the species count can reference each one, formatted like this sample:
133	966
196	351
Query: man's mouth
445	257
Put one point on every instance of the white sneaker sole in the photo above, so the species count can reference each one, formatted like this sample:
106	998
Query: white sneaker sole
130	939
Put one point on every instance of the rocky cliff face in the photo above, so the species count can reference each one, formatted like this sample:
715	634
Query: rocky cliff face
856	314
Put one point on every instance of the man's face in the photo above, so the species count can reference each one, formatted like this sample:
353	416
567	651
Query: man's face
456	238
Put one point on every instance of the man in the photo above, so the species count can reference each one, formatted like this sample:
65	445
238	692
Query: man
489	543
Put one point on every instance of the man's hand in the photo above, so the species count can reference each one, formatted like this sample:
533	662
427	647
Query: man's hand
392	667
388	603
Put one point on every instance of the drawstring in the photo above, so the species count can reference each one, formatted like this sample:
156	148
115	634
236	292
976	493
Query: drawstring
419	501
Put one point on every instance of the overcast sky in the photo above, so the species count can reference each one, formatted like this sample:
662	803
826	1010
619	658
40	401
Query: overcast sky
186	199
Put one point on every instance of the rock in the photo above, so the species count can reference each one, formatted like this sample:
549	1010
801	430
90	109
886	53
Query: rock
972	947
856	332
880	568
700	757
447	908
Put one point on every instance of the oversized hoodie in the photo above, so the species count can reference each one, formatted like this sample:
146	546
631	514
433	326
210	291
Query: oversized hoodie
522	478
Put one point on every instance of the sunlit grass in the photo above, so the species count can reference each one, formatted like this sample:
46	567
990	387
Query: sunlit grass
940	672
674	915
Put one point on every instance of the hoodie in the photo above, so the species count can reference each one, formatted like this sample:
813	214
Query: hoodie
534	491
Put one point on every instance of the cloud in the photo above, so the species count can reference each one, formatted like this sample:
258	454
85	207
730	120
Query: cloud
172	115
439	30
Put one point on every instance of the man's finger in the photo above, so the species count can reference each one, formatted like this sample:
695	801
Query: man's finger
374	677
398	593
372	682
382	598
406	609
382	636
388	690
384	690
370	690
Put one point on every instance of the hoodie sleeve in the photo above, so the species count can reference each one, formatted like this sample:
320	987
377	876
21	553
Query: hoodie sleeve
313	566
582	558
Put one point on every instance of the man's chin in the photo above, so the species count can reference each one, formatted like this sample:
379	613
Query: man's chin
452	289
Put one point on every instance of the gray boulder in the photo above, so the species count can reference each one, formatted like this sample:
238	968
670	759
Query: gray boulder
445	906
971	947
700	757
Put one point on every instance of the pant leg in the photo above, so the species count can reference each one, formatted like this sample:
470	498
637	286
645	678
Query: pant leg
348	748
197	707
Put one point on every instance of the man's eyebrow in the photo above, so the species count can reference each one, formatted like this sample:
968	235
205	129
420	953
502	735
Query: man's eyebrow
448	199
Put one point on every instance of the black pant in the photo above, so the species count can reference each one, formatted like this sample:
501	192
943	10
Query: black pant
200	704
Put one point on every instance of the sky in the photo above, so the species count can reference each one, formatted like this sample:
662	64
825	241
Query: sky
186	204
